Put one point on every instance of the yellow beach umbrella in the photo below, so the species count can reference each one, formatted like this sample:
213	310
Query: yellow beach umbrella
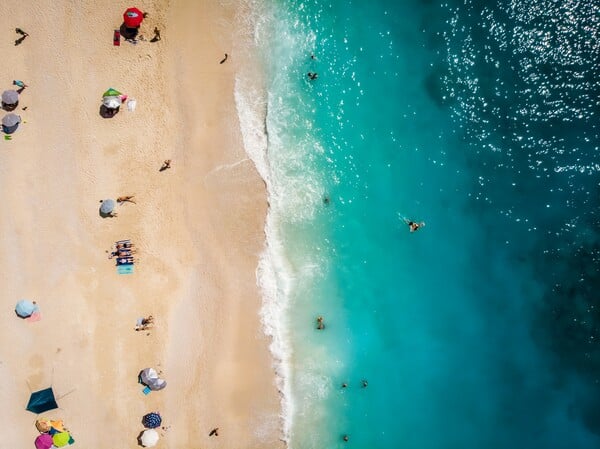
61	439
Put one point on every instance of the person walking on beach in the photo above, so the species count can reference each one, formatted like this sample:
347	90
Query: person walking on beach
312	75
224	59
214	432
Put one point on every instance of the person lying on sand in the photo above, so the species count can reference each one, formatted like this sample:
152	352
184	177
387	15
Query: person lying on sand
127	198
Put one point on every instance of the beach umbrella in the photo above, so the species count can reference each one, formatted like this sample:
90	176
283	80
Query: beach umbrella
44	441
11	120
41	401
133	17
149	438
42	425
149	377
61	439
111	93
151	420
25	308
112	102
10	97
107	206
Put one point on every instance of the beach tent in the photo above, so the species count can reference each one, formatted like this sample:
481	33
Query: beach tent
10	123
149	438
107	206
151	420
25	308
133	17
10	97
44	441
149	377
61	439
41	401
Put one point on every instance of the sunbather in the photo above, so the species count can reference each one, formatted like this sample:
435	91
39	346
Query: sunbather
125	261
127	198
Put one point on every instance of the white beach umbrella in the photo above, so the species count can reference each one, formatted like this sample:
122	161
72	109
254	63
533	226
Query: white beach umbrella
149	438
112	102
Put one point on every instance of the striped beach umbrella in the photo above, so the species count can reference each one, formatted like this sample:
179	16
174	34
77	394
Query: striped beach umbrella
151	420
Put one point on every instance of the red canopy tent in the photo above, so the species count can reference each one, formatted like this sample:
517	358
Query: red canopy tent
133	17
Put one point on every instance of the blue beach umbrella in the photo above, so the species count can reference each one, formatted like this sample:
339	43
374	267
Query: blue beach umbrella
151	420
25	308
107	206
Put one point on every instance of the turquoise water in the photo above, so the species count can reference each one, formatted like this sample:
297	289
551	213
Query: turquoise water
478	118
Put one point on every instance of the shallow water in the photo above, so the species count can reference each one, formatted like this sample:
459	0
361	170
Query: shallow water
478	118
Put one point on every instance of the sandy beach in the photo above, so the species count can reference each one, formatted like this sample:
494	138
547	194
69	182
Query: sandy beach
198	228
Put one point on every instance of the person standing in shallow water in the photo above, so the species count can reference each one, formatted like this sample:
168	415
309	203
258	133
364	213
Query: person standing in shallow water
312	75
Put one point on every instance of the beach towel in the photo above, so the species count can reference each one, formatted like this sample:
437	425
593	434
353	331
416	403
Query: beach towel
146	390
35	316
125	269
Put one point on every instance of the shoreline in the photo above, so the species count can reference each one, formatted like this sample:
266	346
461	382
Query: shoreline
198	227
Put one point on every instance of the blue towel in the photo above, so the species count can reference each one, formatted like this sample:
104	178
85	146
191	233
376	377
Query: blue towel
146	390
125	269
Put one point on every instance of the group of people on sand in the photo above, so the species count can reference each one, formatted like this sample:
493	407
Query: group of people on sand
123	251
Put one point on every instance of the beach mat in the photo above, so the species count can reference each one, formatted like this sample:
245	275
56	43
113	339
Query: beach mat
146	390
35	316
125	269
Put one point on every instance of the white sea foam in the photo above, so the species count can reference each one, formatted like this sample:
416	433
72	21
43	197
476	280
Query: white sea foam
278	137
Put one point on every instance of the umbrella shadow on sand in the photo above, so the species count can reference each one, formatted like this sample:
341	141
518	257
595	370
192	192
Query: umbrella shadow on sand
108	112
139	438
128	33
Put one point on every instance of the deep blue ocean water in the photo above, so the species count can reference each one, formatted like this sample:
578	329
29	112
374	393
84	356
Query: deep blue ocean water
480	119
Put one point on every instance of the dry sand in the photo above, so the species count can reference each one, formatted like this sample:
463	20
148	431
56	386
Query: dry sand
198	228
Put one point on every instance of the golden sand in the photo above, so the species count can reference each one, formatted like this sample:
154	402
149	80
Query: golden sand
198	229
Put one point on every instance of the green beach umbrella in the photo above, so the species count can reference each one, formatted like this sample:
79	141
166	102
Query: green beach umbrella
61	439
111	93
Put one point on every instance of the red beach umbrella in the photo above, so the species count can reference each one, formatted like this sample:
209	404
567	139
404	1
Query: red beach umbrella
133	17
